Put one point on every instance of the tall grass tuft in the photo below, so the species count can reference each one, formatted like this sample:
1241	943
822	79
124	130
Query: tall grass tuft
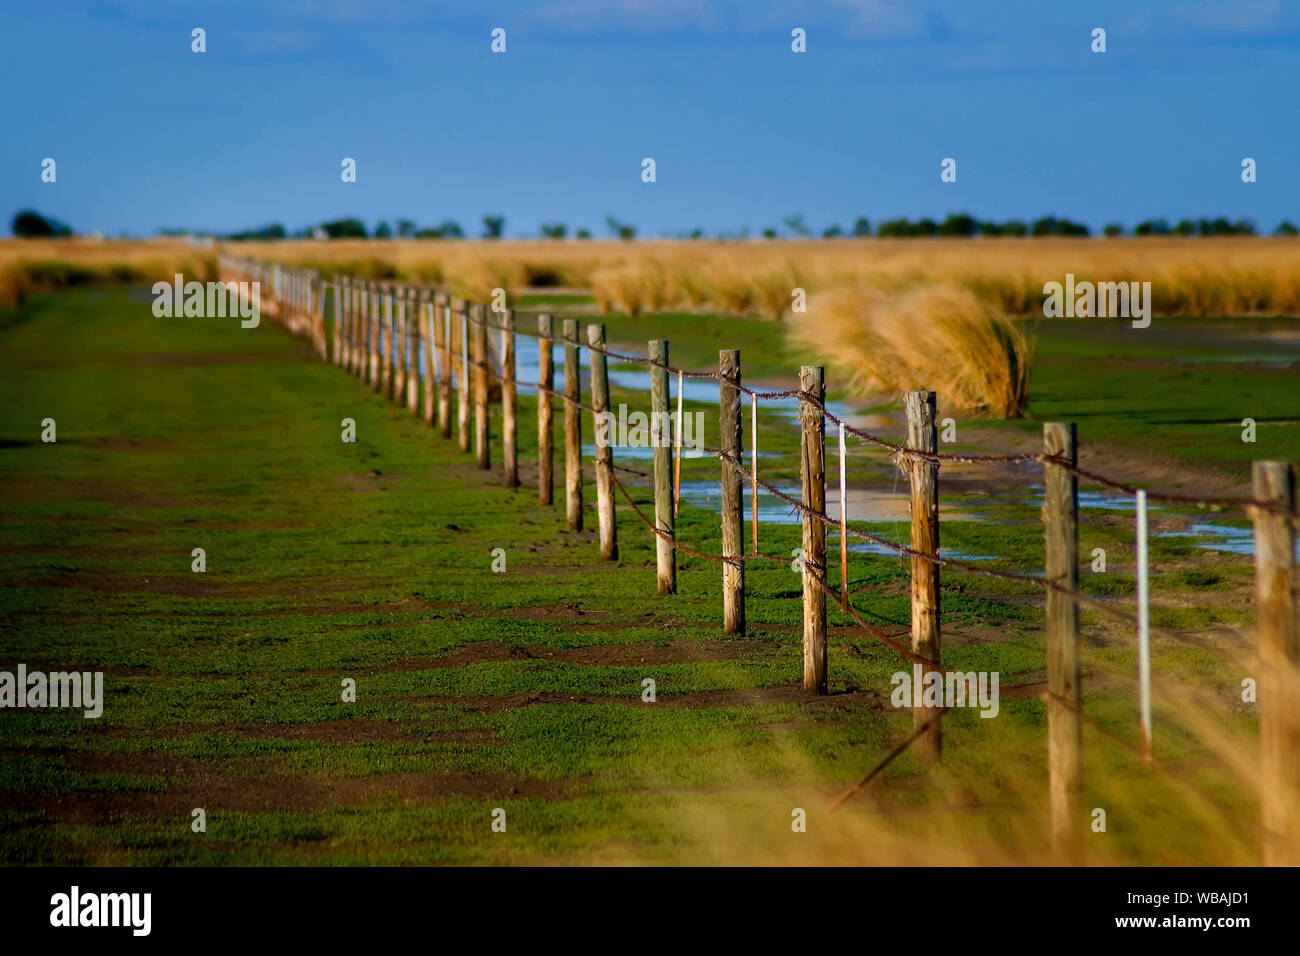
940	337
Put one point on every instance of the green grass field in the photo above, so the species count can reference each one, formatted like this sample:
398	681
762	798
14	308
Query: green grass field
371	562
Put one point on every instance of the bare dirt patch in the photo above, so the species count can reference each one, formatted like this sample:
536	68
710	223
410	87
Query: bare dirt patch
196	785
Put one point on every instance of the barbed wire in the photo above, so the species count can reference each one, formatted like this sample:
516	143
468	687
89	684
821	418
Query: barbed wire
813	570
898	449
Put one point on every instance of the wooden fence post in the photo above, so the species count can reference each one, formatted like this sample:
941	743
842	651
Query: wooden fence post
356	327
428	322
509	409
462	407
400	347
1065	693
366	350
572	427
397	323
322	329
545	431
604	438
812	475
369	355
442	335
1279	662
376	332
386	344
479	358
349	324
413	352
661	435
338	321
923	435
733	519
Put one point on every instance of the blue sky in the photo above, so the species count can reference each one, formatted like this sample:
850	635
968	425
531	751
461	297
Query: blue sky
149	135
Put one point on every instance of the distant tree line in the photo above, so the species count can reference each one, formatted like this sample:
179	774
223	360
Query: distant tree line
30	223
965	225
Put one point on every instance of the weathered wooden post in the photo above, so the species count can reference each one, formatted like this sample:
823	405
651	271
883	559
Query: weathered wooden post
572	427
376	338
442	334
1273	483
350	338
545	431
376	342
661	435
389	330
1064	688
923	474
319	339
323	328
338	321
356	348
509	409
428	320
365	359
413	353
812	476
399	346
324	290
341	322
358	329
462	408
310	326
604	443
479	358
733	519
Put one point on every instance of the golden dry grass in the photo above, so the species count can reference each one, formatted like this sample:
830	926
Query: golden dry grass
1192	276
939	336
28	265
1222	276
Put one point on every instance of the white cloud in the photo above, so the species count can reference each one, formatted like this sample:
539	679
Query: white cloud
1235	16
880	18
633	16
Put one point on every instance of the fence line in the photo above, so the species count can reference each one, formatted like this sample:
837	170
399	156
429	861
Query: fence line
392	351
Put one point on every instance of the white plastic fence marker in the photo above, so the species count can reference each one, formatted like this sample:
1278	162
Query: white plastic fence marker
1144	626
844	522
677	468
753	461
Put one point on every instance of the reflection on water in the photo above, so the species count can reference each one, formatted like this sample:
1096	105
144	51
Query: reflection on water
704	390
863	505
